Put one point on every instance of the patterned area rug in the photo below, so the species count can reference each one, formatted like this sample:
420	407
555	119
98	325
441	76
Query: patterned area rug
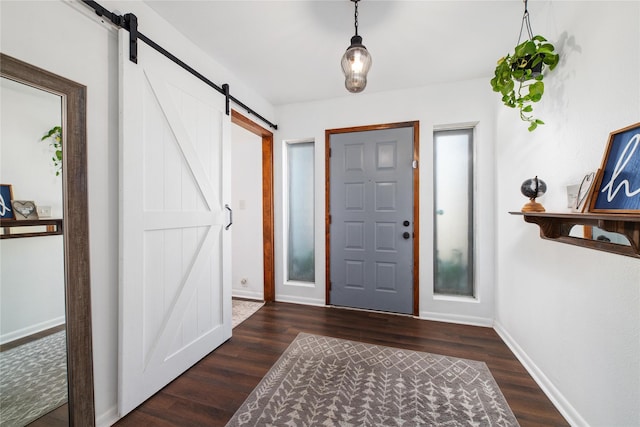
33	380
321	381
241	310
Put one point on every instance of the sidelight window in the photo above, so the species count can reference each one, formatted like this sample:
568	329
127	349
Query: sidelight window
453	169
300	212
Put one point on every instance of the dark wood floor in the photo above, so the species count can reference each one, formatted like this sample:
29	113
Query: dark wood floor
209	393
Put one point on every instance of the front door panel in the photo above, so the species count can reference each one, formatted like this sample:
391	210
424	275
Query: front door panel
371	234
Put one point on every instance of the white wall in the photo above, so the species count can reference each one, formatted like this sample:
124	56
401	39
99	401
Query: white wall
572	314
436	106
246	193
31	286
31	269
68	39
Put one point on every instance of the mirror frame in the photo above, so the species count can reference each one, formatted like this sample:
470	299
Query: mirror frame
75	232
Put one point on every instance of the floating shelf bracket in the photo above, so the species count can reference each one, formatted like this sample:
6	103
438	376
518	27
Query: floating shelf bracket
557	227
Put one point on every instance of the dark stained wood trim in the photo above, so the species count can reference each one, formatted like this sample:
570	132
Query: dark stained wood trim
416	203
381	126
267	200
416	219
76	235
327	217
212	390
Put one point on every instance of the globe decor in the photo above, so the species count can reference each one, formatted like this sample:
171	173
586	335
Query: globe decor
533	188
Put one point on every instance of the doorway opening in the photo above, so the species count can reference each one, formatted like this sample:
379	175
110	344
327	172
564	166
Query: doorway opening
267	200
372	217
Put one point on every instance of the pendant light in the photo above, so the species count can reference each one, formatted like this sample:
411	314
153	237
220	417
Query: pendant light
356	61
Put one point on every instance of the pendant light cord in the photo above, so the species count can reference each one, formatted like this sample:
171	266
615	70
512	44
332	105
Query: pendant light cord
355	16
525	21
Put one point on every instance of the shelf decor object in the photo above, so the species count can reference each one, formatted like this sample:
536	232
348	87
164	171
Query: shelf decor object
584	192
6	196
533	188
617	187
24	209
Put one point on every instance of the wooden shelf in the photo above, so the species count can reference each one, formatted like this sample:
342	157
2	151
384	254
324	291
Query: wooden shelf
53	227
557	226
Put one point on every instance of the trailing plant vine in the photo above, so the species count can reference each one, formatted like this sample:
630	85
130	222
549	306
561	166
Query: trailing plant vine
54	135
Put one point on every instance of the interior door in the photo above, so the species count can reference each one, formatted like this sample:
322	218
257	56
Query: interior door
371	232
175	288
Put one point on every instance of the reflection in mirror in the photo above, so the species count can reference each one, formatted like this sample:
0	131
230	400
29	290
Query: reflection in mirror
595	233
577	231
607	236
73	221
32	303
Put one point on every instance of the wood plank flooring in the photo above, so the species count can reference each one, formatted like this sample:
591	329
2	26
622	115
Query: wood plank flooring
210	392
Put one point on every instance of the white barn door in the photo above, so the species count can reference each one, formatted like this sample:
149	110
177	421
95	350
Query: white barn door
175	287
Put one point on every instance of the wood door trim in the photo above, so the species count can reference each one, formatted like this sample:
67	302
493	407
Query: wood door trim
416	203
267	200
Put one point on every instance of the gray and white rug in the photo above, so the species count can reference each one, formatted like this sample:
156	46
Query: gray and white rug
33	380
322	381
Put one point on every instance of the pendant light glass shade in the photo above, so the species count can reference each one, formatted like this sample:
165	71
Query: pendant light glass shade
356	63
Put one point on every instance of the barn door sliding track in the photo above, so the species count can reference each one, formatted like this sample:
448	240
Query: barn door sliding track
129	22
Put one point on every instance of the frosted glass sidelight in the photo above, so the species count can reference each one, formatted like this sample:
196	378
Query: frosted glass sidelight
300	253
453	169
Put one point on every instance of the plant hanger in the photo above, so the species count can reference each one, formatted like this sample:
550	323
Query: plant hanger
518	75
525	22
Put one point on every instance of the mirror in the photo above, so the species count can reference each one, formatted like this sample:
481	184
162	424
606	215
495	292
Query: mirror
594	233
33	356
81	411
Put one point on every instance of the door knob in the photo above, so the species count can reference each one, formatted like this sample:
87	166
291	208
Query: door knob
406	223
406	235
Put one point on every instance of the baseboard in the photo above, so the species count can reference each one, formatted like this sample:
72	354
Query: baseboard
243	293
455	318
557	398
301	300
108	418
30	330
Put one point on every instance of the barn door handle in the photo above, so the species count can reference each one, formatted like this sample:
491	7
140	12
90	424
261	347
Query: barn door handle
230	217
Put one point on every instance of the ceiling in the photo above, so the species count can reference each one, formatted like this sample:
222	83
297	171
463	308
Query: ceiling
289	51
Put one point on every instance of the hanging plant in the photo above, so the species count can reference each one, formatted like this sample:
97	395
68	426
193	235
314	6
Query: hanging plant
518	75
55	140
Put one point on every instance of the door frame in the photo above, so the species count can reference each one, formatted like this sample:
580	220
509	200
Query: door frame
269	293
77	283
416	202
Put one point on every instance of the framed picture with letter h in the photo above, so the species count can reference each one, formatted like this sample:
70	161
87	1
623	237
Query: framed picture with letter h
617	187
6	196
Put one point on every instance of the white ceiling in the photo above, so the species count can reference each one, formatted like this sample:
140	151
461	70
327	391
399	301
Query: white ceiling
289	51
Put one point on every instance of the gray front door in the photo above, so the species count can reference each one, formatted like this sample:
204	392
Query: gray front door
371	208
